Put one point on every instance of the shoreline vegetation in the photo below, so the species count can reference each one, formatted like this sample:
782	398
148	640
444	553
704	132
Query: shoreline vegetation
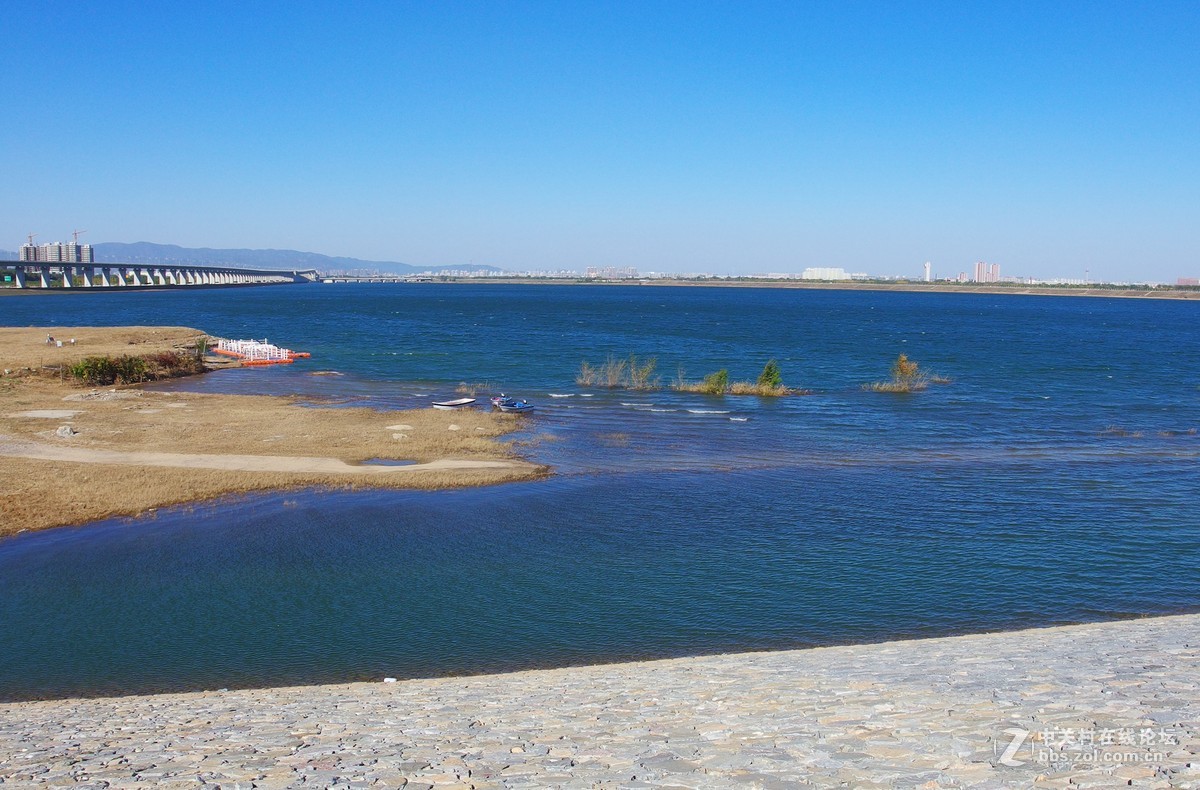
640	375
907	376
81	440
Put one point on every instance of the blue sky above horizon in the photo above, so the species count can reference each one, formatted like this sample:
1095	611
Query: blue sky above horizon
669	136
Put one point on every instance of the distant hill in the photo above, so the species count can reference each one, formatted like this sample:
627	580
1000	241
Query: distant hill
148	252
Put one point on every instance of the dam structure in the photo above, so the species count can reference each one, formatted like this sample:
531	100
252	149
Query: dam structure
67	275
1101	705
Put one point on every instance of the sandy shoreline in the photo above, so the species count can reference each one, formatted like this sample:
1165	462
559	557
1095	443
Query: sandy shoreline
921	713
72	454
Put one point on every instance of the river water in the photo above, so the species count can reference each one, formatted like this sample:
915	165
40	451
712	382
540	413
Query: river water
1053	480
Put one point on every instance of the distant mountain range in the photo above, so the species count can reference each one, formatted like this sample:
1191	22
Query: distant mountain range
147	252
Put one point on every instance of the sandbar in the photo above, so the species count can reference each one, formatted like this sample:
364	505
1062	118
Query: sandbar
70	454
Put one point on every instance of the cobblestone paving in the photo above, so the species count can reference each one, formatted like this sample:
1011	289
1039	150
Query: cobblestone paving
922	714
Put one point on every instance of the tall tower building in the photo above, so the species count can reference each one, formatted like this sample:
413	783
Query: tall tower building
980	272
928	271
53	253
58	252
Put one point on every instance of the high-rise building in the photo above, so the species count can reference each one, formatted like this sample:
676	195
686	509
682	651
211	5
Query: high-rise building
986	272
928	271
824	273
612	273
58	252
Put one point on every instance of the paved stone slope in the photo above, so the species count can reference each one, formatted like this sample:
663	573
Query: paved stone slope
928	713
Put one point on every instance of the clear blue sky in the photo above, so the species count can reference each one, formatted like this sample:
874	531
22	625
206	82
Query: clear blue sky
684	136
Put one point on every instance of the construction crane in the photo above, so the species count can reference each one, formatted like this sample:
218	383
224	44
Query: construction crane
76	235
31	236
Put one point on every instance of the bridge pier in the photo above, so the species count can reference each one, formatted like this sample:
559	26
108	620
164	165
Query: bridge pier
107	275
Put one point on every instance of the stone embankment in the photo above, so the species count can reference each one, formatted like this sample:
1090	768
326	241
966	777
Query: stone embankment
1101	705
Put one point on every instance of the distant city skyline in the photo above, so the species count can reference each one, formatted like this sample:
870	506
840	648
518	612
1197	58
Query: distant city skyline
978	272
1054	140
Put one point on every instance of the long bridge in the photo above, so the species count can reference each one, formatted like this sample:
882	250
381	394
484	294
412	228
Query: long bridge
376	278
23	274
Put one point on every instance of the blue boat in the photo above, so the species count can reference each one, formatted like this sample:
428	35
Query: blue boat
512	405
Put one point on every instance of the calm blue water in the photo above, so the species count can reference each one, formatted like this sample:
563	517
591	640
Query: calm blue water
677	524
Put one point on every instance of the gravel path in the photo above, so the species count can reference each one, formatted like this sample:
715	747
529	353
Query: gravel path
1113	704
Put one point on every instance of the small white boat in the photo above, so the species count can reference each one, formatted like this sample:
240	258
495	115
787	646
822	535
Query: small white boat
451	405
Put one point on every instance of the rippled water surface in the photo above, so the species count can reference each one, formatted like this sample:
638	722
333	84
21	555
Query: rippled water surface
1054	480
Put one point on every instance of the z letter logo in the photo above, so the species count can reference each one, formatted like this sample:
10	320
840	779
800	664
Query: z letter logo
1018	738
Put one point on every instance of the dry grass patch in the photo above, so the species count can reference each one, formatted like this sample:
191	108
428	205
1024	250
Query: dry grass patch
769	384
25	348
907	376
620	373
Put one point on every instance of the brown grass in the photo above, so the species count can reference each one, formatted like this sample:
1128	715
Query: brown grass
707	387
24	349
39	494
762	390
895	386
907	376
473	389
618	373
